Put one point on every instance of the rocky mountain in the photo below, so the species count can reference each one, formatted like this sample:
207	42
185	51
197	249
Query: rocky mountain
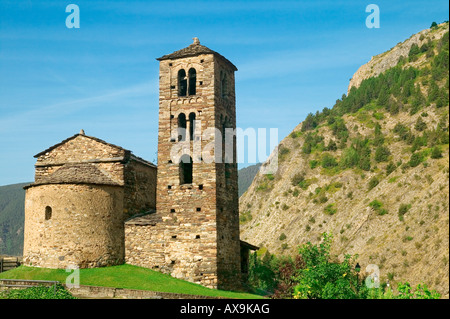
372	170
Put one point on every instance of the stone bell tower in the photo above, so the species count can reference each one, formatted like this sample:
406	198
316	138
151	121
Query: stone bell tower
197	187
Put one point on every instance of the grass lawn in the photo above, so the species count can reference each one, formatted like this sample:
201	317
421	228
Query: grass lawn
124	276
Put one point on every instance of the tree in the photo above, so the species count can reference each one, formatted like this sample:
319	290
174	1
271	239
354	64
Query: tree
420	124
382	154
436	152
323	278
433	25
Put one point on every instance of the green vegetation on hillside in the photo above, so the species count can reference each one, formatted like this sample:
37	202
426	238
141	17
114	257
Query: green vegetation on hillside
403	88
314	274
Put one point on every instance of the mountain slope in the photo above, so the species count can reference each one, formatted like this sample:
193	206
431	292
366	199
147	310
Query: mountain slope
373	170
12	205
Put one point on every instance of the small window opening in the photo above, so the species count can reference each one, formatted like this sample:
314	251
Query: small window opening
174	236
181	127
48	213
192	81
172	210
200	186
191	126
185	169
199	209
169	187
197	237
182	83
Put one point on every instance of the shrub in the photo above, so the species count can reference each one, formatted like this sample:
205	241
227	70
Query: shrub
328	161
330	209
40	292
375	205
282	236
382	154
349	158
390	168
373	182
436	152
403	209
297	179
313	164
420	125
416	159
323	279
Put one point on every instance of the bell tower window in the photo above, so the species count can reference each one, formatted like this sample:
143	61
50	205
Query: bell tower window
192	81
191	126
181	127
185	170
182	83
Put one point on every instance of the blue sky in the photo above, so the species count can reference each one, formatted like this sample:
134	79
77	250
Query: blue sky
294	57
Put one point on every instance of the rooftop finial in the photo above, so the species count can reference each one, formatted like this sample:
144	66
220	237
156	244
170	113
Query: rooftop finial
82	132
196	40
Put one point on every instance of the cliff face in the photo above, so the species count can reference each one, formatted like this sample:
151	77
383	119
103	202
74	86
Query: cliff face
373	171
381	62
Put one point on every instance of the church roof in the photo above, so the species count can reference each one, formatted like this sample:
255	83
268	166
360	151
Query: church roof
193	50
79	173
132	156
74	136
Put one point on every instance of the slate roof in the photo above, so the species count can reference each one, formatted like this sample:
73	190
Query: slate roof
79	173
193	50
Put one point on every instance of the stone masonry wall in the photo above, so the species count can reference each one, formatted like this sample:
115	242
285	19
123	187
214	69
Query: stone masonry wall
85	228
82	149
139	188
199	232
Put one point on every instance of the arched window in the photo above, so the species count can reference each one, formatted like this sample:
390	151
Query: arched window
185	169
191	125
223	84
182	83
192	81
48	213
181	127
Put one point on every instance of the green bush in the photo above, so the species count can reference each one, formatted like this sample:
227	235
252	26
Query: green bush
330	209
40	292
416	159
436	152
374	181
328	161
402	210
323	279
382	154
390	168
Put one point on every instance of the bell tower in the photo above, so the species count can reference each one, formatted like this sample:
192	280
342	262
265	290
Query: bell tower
197	186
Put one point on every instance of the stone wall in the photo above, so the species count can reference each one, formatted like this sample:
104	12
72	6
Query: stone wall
182	250
139	188
78	149
85	226
198	236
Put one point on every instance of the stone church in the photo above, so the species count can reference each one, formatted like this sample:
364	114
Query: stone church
95	204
